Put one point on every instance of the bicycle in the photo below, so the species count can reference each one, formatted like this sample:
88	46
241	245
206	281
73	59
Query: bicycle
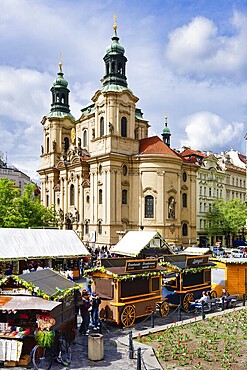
42	357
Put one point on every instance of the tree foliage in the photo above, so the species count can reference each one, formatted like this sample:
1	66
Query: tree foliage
23	210
226	218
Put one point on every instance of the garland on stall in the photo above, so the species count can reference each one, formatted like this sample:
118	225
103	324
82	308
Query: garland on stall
58	295
192	270
143	275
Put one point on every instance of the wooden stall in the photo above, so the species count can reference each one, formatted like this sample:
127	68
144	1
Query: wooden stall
128	288
189	276
25	297
231	274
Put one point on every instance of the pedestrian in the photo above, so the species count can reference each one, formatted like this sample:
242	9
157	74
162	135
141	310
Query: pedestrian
89	283
85	308
96	301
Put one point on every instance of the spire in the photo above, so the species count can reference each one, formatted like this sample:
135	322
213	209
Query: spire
166	133
60	95
115	62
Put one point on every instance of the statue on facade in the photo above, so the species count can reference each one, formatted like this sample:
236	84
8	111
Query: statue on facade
111	128
54	145
171	208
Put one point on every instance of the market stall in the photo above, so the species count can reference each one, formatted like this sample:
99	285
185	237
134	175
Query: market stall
230	274
26	250
25	298
128	288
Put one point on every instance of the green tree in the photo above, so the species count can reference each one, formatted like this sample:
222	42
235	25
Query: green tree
226	218
23	210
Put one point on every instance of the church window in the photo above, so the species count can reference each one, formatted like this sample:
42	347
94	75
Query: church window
124	127
100	196
84	138
47	145
113	67
100	227
87	198
125	170
57	98
120	68
63	99
184	199
124	196
184	176
102	128
47	200
72	195
149	206
184	229
210	192
87	227
107	68
66	143
100	169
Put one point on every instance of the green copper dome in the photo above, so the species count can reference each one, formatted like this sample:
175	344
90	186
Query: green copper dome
115	47
60	81
166	130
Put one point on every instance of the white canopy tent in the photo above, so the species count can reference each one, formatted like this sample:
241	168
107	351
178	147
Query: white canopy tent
135	241
37	243
196	251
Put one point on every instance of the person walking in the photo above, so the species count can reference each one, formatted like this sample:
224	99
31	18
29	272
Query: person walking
85	308
96	301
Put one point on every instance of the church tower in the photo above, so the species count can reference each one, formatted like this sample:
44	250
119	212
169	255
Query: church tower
166	134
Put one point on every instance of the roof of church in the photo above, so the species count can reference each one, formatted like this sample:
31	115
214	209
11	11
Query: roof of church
190	152
154	145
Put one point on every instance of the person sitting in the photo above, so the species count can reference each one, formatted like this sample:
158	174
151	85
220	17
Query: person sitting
199	302
225	293
8	271
224	296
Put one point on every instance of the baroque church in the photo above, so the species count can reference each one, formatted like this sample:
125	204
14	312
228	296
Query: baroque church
104	174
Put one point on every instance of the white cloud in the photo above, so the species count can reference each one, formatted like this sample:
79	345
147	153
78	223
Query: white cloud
205	130
198	49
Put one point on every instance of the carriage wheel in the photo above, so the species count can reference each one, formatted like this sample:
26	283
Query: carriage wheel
213	294
128	316
189	297
164	309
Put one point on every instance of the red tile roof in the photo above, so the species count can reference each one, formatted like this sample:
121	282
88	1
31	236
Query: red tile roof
154	145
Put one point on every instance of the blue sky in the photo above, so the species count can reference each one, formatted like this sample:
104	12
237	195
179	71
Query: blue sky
186	59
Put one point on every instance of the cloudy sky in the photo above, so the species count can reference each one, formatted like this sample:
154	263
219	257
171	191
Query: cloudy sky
187	59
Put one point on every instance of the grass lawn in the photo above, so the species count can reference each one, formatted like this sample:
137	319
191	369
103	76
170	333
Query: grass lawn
218	342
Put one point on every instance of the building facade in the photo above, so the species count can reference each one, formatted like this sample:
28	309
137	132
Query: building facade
11	173
104	174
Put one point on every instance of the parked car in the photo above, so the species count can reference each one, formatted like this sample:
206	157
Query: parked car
237	253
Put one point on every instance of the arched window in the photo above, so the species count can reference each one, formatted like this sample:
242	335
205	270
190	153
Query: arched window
57	98
124	127
124	196
66	143
149	206
185	229
47	145
63	99
102	127
84	138
125	170
86	227
100	196
72	195
100	227
184	177
100	169
113	67
184	199
119	68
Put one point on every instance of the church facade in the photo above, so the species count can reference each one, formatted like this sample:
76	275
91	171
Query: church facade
104	174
